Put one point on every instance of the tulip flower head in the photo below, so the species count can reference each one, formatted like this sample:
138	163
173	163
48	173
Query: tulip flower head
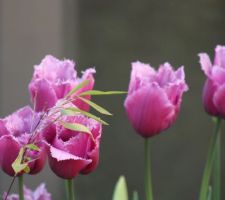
214	88
15	132
53	79
154	97
71	152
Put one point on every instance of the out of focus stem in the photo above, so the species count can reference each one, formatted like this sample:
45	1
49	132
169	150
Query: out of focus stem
216	191
20	180
210	162
70	189
148	178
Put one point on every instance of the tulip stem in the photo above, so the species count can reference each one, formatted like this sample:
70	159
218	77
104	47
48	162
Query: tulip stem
20	180
210	161
148	181
217	171
70	189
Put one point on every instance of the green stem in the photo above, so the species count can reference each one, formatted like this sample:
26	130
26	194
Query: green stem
67	190
148	181
209	163
70	189
216	192
21	195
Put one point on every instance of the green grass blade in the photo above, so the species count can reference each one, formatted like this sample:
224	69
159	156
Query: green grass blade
95	106
98	92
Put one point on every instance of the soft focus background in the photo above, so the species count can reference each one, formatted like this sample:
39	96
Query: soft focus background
110	35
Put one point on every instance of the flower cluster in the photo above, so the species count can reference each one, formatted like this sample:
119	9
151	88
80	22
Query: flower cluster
43	131
60	127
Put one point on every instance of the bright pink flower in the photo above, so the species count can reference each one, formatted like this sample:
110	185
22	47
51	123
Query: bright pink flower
214	88
53	79
154	97
15	133
72	152
39	194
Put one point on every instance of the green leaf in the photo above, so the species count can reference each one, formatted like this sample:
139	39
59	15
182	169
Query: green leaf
77	87
95	106
71	111
209	162
17	164
209	196
32	147
77	127
135	195
120	191
98	92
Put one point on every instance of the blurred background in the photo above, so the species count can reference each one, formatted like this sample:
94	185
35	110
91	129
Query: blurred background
110	35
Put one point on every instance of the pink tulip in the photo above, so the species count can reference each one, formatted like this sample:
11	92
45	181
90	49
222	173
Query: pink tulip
71	152
214	88
15	131
39	194
53	79
154	97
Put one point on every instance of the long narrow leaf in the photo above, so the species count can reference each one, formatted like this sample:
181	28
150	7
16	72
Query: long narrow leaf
209	196
76	88
95	106
135	195
77	127
71	111
120	192
32	147
98	92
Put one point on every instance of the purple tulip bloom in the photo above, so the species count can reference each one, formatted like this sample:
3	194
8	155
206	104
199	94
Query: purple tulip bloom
71	152
214	88
15	131
154	97
53	79
39	194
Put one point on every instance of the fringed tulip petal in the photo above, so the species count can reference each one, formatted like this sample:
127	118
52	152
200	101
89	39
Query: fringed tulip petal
154	97
53	79
214	89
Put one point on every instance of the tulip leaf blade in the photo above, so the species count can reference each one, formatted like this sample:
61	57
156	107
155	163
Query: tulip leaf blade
209	196
120	191
71	111
17	165
95	106
76	88
135	195
99	92
77	127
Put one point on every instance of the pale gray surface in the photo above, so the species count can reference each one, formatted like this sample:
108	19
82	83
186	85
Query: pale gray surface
29	31
111	34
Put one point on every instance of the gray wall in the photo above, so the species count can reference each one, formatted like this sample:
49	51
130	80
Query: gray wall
109	35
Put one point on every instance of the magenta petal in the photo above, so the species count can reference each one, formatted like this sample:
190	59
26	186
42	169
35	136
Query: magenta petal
42	94
87	75
140	75
94	156
7	156
64	164
206	64
149	110
218	100
218	75
208	93
220	56
3	129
